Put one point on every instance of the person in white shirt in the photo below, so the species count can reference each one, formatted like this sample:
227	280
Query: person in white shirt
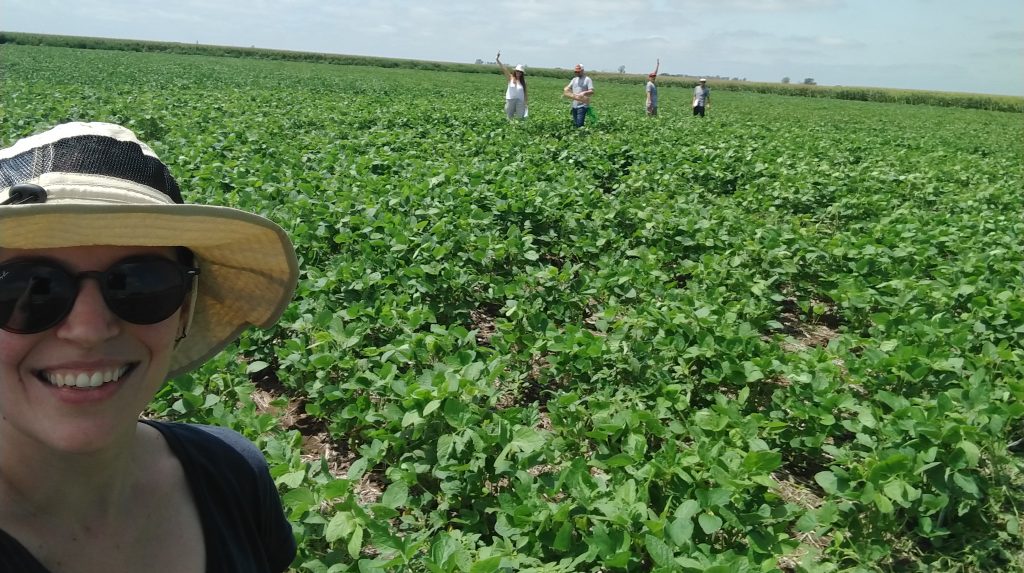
701	97
515	93
579	89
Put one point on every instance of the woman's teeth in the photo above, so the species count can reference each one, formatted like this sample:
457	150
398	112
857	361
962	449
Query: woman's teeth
92	379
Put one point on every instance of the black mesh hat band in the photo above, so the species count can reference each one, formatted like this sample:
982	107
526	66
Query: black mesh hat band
88	155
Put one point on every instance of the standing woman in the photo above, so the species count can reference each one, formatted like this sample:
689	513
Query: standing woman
515	93
109	285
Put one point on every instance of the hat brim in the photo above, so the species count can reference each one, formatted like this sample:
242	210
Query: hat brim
248	270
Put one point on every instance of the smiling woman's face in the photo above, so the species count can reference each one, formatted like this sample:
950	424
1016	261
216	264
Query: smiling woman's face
82	384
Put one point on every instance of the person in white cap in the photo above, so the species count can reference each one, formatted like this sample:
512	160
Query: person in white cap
651	89
515	94
579	90
701	97
110	284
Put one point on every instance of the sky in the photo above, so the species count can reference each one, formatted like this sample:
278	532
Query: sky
972	46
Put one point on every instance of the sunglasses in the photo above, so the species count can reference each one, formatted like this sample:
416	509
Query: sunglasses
37	294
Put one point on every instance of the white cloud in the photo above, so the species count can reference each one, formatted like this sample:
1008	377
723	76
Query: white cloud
826	42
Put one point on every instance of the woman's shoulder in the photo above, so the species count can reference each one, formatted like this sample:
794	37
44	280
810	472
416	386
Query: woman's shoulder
237	498
210	443
16	557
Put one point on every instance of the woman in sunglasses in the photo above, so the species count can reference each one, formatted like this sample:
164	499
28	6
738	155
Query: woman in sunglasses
110	284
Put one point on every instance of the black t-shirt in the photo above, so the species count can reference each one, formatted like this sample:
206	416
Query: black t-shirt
244	527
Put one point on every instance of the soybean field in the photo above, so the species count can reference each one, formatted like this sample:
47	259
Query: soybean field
786	337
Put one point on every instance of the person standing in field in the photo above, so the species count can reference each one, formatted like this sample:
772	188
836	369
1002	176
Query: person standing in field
110	285
701	97
515	94
652	90
579	90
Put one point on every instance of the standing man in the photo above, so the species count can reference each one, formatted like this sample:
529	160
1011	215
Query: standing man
701	97
579	90
652	90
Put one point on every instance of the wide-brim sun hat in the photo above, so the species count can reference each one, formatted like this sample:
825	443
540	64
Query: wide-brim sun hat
102	186
520	68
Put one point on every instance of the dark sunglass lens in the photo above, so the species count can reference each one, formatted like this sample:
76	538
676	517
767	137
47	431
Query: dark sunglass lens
145	291
34	296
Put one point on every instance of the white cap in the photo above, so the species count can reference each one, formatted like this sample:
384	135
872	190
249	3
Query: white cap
520	68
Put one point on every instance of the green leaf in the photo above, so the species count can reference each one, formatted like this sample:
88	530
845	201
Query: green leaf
619	461
292	479
680	530
298	500
807	522
255	366
357	469
709	523
411	418
709	420
442	550
489	565
762	462
563	539
971	453
687	509
431	406
762	540
355	543
373	566
472	371
659	551
504	528
322	361
619	560
340	525
883	503
894	490
1012	525
396	495
828	482
966	483
336	488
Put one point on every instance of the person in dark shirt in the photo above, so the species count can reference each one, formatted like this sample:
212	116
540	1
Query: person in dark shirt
110	284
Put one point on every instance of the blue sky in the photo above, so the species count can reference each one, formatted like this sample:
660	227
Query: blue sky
950	45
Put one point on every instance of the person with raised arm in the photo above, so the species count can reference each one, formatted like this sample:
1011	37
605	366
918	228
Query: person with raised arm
652	90
515	94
